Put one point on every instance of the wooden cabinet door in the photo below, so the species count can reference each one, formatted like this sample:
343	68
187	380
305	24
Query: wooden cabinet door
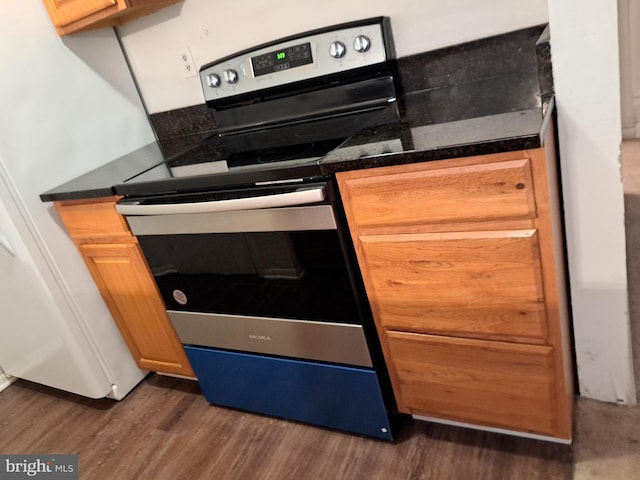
70	16
63	12
471	284
128	289
498	384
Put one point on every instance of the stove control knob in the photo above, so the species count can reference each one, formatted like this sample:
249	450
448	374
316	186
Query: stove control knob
361	43
213	80
230	76
337	49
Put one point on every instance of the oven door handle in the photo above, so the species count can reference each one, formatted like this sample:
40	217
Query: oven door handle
299	197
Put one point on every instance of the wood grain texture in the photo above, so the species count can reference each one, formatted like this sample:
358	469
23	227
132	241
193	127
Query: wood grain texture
126	285
488	383
488	191
87	220
438	290
482	284
63	12
551	233
165	430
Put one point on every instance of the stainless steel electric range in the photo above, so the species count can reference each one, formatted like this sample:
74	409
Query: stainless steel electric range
246	237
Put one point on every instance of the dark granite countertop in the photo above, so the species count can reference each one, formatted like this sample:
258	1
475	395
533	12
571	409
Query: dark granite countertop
432	129
488	96
100	181
419	135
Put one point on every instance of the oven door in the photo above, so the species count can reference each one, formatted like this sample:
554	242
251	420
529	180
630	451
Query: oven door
265	274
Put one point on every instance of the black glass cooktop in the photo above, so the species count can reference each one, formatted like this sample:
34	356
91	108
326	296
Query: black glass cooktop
272	155
264	155
426	121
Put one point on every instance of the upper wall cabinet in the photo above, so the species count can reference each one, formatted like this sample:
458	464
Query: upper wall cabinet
70	16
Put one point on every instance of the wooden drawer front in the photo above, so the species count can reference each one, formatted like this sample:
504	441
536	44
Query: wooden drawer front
480	284
468	193
95	219
490	383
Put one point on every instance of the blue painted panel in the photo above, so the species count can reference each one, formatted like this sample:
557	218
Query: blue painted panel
344	398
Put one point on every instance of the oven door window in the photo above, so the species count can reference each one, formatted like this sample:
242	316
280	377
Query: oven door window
293	275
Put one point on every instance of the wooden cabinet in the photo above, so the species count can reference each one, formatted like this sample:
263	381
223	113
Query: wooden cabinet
70	16
116	264
462	261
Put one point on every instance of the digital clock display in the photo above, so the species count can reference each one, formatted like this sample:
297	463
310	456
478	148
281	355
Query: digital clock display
284	59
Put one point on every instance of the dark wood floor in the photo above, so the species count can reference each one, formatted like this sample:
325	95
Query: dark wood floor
165	429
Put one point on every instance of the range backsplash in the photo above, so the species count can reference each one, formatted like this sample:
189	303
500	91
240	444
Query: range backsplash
522	57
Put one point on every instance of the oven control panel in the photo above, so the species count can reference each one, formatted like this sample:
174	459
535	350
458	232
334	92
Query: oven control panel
304	57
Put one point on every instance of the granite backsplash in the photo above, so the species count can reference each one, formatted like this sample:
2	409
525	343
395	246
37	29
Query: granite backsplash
522	58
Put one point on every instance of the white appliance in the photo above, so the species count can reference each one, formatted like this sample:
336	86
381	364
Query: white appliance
41	340
69	106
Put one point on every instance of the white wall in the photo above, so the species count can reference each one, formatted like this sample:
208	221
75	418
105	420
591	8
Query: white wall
587	79
212	30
